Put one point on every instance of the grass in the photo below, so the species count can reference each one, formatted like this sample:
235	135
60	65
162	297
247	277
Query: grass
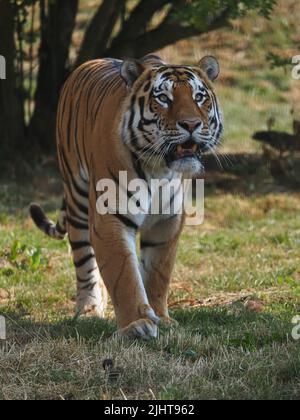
236	285
234	294
218	360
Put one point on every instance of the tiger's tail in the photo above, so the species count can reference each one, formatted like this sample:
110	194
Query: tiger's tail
56	231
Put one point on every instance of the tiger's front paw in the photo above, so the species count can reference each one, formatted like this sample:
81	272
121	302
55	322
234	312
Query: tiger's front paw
144	329
166	321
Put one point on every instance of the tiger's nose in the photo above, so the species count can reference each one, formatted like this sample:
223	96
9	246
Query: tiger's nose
190	125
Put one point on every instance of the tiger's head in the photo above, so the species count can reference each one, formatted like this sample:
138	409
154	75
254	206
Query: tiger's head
172	116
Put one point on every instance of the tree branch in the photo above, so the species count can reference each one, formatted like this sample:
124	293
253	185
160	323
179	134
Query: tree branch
168	32
140	18
137	24
100	30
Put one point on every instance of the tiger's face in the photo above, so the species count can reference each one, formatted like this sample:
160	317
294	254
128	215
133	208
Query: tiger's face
173	116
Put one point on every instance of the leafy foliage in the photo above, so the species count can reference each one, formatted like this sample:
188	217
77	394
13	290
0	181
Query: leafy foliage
44	53
200	14
26	258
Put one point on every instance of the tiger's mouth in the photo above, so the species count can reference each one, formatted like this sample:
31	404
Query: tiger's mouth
189	149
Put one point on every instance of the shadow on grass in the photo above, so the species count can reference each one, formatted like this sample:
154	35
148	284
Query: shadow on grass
24	331
231	326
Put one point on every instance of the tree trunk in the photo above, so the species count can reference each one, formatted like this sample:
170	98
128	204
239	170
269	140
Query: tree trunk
11	106
58	22
134	39
100	31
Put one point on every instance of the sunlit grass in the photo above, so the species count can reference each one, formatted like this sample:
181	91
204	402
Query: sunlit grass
236	285
234	293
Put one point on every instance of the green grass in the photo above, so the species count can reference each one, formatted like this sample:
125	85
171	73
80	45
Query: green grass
216	353
236	285
234	294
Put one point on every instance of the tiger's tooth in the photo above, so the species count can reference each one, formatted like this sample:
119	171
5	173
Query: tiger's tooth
195	148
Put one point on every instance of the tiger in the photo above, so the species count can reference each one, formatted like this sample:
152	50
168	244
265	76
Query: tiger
152	120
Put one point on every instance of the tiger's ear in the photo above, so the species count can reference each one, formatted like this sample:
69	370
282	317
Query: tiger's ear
131	70
210	66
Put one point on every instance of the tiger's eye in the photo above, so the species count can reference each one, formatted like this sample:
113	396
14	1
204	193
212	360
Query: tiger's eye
199	97
164	99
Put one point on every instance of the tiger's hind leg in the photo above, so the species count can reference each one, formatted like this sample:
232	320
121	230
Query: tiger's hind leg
91	292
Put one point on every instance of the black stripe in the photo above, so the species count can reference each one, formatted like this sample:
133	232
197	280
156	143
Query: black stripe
104	92
132	114
167	75
74	184
114	177
60	230
83	280
127	222
79	245
75	135
147	87
69	126
80	191
77	225
117	181
48	228
74	214
84	209
62	107
143	120
147	244
39	217
84	260
89	287
64	205
134	137
142	106
139	170
92	270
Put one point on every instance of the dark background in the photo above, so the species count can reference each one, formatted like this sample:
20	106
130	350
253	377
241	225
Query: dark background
44	40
